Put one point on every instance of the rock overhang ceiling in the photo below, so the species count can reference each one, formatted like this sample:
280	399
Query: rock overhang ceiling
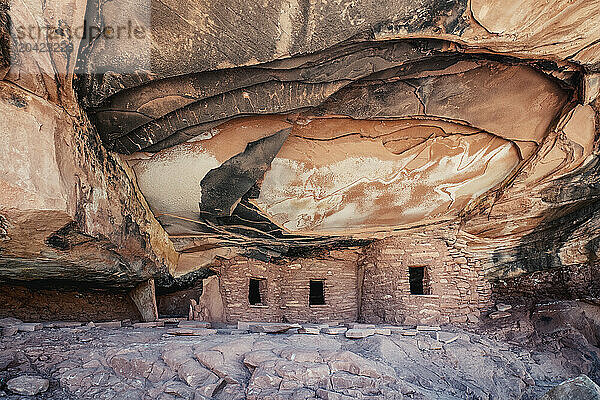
361	139
476	113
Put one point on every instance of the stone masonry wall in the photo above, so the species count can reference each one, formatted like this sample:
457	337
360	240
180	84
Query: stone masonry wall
235	277
457	288
287	289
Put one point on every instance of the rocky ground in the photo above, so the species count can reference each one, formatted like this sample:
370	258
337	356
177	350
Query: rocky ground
501	360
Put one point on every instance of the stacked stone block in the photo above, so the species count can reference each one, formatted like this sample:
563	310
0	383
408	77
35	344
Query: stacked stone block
457	288
286	297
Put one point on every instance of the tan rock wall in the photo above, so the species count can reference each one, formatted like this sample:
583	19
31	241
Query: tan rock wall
70	209
61	189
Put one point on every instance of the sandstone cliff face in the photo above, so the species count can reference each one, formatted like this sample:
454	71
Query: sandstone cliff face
272	129
69	210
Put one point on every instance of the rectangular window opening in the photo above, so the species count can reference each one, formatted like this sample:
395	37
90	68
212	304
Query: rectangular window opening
317	293
417	278
256	291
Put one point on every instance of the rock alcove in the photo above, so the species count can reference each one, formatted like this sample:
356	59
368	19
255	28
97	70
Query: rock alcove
284	132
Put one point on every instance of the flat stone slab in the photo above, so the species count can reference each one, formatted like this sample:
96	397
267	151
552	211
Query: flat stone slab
383	331
503	307
193	324
62	324
356	325
27	385
191	331
409	332
271	327
356	333
472	318
335	330
154	324
499	314
446	337
310	330
230	331
107	325
173	320
428	328
436	346
395	328
427	343
245	325
29	327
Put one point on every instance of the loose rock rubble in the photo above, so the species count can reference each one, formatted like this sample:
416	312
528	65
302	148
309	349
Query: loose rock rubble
503	307
580	388
9	326
499	314
191	360
27	385
335	330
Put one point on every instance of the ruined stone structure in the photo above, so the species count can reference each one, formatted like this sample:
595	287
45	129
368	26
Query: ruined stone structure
371	284
457	288
285	293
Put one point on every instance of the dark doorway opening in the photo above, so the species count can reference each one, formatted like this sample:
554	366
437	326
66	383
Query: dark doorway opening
255	289
317	293
416	278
